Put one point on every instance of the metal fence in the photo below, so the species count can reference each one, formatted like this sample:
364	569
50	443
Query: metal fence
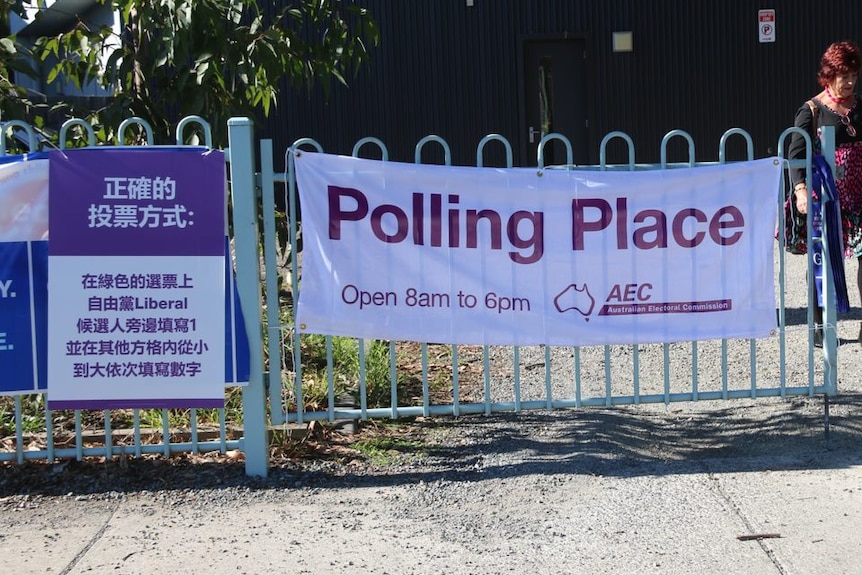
515	379
39	434
501	379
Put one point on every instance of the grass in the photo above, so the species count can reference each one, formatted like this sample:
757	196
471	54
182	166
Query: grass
31	420
344	373
387	449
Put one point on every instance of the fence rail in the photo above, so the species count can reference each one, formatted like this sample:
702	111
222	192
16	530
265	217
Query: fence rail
516	379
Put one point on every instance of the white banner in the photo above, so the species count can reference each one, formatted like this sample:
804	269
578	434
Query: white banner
519	257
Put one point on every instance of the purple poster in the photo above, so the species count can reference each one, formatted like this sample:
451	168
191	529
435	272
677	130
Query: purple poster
136	278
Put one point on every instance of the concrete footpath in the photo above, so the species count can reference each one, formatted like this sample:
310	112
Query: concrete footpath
789	515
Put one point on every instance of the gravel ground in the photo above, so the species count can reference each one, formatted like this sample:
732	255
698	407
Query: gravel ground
497	487
623	491
618	441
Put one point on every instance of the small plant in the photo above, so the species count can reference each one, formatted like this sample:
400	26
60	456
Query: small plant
316	351
387	449
32	414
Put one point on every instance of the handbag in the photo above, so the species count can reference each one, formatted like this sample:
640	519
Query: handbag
796	223
795	228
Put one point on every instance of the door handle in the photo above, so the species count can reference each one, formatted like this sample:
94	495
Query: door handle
533	133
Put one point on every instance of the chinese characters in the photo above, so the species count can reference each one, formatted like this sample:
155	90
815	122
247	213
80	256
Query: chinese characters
166	350
132	204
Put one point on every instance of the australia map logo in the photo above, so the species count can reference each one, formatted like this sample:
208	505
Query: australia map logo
575	298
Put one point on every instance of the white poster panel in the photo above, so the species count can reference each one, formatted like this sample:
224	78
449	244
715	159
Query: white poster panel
521	257
120	342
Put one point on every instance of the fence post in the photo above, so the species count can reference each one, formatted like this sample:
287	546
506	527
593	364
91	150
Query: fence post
246	241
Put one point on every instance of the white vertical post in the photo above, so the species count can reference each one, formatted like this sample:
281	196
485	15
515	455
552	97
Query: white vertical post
273	309
246	242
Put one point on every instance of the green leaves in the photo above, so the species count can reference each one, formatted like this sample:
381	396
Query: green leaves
172	58
213	58
8	46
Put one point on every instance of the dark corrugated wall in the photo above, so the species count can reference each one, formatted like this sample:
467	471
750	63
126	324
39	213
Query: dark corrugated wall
450	69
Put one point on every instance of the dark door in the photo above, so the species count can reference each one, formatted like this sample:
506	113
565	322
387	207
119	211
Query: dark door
554	102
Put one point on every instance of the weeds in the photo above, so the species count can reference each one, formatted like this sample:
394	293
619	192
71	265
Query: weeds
387	449
337	359
32	416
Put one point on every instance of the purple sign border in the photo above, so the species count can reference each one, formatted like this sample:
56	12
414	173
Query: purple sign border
94	189
101	404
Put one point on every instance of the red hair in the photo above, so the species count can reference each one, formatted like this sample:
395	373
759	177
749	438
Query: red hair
840	59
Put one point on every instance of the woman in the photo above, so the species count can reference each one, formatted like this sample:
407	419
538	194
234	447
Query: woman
836	105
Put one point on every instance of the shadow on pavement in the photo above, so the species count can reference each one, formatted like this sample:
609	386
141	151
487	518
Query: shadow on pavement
738	436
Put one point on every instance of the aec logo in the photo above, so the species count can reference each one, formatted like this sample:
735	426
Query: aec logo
579	299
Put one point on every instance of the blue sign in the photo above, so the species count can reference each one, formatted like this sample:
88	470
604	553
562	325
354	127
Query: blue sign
237	360
23	316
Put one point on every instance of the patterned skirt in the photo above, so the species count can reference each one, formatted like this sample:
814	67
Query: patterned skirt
848	180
